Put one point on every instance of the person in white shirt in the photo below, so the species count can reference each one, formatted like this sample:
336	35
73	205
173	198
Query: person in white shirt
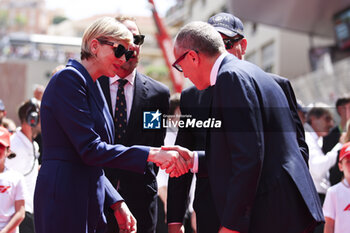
319	122
12	190
336	208
27	153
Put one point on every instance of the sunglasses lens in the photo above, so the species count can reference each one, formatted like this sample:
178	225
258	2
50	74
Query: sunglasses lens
178	67
139	39
119	51
128	54
228	44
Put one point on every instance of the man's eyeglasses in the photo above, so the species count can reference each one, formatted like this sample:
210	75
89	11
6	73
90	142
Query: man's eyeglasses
118	51
139	39
229	42
176	63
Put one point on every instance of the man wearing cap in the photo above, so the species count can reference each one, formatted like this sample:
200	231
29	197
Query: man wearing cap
336	206
232	32
258	176
12	190
2	111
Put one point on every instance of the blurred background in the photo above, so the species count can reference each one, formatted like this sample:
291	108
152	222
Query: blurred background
307	42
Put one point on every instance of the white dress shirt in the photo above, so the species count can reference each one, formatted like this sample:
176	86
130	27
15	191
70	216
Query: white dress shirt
319	163
215	69
128	91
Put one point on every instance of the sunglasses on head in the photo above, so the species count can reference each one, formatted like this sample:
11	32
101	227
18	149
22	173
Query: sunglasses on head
229	42
139	39
119	51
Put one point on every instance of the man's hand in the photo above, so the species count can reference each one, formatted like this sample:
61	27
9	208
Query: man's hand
184	152
126	221
226	230
169	160
176	228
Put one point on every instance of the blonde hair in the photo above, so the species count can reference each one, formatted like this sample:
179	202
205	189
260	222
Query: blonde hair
122	18
104	28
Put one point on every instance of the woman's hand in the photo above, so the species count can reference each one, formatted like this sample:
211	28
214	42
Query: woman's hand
126	221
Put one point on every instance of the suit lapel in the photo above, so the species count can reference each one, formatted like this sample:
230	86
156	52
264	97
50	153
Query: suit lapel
212	91
93	90
104	83
208	95
96	95
106	113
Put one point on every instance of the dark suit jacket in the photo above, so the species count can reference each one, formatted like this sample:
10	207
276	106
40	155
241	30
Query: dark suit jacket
331	139
259	179
195	103
76	129
292	102
140	191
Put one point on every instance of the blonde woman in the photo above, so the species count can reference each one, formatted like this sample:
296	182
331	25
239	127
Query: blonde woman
77	132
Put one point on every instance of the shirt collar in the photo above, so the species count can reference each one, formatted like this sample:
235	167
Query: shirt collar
22	136
215	68
130	78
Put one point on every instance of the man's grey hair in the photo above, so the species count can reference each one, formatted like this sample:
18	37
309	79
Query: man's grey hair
201	37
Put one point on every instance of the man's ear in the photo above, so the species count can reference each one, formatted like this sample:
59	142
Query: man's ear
193	55
244	44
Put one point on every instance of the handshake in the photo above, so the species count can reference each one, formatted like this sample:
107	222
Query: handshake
176	160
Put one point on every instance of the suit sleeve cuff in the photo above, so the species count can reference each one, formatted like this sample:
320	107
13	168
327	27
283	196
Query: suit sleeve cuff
111	194
195	163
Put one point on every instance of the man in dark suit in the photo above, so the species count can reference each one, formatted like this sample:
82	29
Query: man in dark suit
141	94
231	30
258	176
195	103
